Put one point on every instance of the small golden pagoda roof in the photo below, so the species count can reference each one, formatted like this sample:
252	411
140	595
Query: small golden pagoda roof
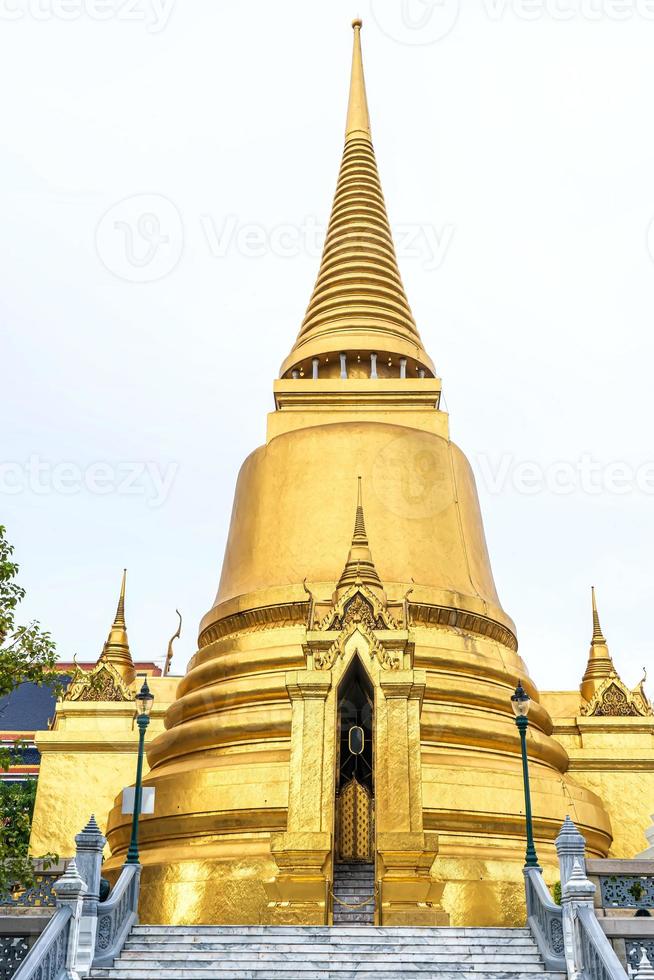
358	302
603	691
116	649
600	665
359	567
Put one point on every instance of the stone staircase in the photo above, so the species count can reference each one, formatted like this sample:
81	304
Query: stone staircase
353	885
320	952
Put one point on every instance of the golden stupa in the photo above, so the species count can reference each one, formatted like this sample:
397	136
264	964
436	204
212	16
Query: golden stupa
401	614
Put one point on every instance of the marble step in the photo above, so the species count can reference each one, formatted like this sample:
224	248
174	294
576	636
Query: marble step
354	949
354	940
524	959
430	933
265	973
349	950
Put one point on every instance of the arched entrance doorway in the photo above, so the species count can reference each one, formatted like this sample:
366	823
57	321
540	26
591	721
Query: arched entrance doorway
355	784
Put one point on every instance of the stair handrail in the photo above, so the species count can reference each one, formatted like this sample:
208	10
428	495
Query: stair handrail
545	920
117	916
54	953
597	960
49	950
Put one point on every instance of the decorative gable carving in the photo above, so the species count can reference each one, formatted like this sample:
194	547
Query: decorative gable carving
357	610
359	605
613	699
103	683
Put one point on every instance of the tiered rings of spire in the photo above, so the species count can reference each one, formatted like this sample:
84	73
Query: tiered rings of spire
358	306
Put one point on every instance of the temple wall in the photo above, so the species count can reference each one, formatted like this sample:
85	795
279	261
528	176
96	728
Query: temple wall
613	757
87	759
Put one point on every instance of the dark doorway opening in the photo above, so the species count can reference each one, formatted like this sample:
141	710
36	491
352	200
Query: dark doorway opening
355	788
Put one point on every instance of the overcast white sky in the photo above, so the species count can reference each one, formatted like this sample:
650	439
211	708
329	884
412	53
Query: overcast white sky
515	141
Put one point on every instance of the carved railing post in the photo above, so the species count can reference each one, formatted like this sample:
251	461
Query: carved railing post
570	847
70	891
88	858
645	969
576	893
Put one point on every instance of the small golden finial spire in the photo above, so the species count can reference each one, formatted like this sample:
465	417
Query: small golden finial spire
116	649
597	629
358	117
600	665
359	536
120	609
359	567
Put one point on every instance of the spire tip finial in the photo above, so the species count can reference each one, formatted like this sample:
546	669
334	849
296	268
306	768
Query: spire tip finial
358	119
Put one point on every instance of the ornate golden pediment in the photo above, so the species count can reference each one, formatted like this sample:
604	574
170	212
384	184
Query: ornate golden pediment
613	699
103	683
359	605
358	610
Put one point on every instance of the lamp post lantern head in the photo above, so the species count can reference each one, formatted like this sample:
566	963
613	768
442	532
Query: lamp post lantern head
520	701
144	699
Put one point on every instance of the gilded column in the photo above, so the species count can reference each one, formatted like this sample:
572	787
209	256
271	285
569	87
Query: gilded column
407	894
302	853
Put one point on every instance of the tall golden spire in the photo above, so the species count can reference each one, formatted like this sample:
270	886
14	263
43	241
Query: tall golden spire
359	567
600	665
358	303
116	649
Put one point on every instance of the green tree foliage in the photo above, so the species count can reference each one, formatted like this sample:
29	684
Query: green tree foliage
27	653
17	807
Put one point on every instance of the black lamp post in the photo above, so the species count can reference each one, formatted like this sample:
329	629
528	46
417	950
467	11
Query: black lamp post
144	701
520	702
